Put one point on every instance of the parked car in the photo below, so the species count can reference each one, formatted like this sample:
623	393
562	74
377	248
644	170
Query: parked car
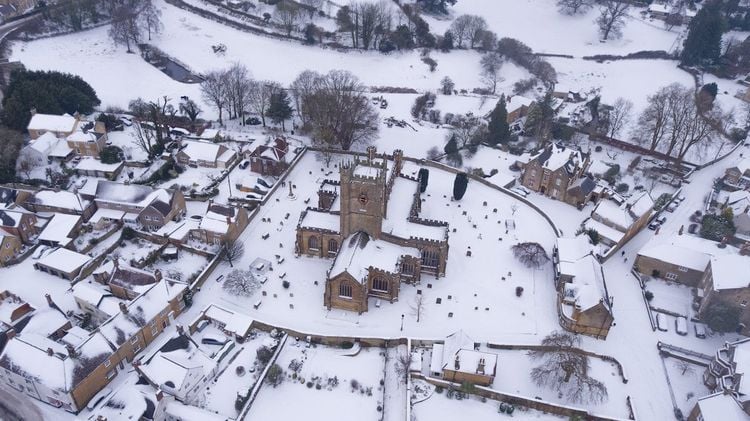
661	322
661	219
672	206
210	340
253	121
126	121
681	326
700	330
654	226
520	191
244	164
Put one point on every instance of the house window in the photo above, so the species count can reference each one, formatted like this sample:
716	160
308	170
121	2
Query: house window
407	268
533	172
380	284
333	246
107	363
112	373
558	182
312	243
153	330
134	340
670	276
430	258
345	291
682	269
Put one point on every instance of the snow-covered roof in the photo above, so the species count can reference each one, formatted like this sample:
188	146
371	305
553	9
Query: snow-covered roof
586	289
322	220
133	402
234	322
81	136
683	250
604	230
201	151
359	251
60	199
92	164
218	218
453	343
45	322
133	194
9	218
557	156
641	204
617	214
104	213
573	249
184	412
49	145
59	228
399	207
97	296
729	271
720	407
658	8
64	260
171	365
8	305
53	123
513	103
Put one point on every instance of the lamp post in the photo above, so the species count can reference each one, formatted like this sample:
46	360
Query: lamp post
402	322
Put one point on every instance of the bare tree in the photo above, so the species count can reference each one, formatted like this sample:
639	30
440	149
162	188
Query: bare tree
477	27
144	139
340	114
402	365
565	369
232	250
491	64
530	254
238	90
573	7
652	123
312	6
619	116
124	29
190	109
684	367
214	90
260	97
150	18
26	163
418	306
288	15
302	89
460	29
240	282
612	18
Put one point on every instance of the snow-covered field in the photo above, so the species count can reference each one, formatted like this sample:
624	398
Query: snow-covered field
438	407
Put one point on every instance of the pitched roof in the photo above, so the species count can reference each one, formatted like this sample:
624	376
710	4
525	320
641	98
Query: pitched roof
729	271
359	251
51	122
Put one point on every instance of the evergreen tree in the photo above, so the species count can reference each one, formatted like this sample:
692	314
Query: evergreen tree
424	177
452	146
446	43
459	185
402	38
499	127
279	109
703	43
11	142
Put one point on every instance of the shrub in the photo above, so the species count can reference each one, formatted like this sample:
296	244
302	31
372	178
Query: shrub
622	188
111	155
717	227
611	174
275	375
285	284
649	295
128	233
598	148
439	389
318	386
309	385
354	383
722	318
430	62
424	178
264	354
519	291
662	200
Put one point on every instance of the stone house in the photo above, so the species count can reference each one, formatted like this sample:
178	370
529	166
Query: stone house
10	246
89	138
231	323
96	301
457	360
59	125
617	220
517	107
727	281
220	223
400	245
145	206
62	262
270	158
554	171
726	374
738	176
20	224
583	303
205	154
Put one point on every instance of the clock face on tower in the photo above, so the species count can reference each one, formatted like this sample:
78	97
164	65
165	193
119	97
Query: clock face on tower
363	198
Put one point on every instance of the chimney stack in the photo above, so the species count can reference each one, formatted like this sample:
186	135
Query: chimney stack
49	300
457	363
123	308
50	352
71	350
159	395
157	275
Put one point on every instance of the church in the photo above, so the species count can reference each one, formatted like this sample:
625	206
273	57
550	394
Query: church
368	223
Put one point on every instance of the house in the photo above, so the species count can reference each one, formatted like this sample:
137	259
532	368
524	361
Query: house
65	372
20	224
60	201
617	221
89	138
659	10
375	243
727	375
141	320
738	176
233	324
96	301
717	407
62	262
95	168
125	282
517	107
59	125
205	154
180	368
14	314
457	360
140	205
220	223
583	303
10	247
554	172
270	158
61	230
727	281
739	202
10	198
44	149
678	258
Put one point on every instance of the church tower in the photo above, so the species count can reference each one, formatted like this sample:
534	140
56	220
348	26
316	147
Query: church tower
363	195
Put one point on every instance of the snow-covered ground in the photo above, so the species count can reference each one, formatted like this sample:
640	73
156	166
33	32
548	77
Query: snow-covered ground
438	407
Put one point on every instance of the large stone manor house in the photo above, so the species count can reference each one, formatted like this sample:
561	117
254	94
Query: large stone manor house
368	223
